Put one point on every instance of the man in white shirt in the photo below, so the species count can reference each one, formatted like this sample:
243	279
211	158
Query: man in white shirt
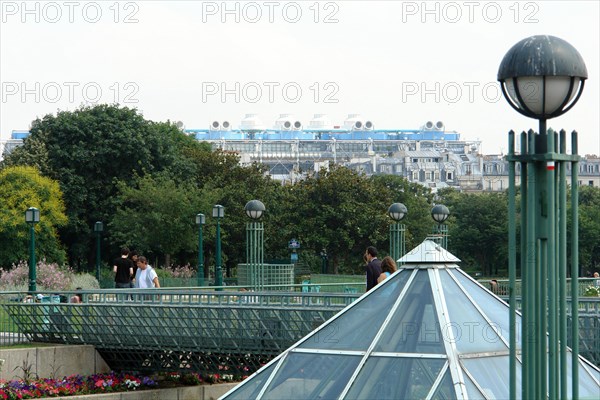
146	276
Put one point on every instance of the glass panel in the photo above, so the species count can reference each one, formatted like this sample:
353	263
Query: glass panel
472	391
312	376
472	333
495	310
252	386
395	378
491	374
355	329
588	389
445	390
414	328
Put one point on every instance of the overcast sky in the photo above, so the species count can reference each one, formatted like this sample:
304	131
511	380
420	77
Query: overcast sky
397	63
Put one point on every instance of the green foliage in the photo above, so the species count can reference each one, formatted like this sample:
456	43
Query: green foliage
339	210
478	229
20	188
589	227
88	151
156	215
417	199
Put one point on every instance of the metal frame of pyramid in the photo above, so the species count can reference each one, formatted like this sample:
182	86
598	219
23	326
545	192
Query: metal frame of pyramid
429	331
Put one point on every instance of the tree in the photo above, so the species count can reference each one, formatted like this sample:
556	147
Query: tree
156	215
478	229
589	228
417	199
339	210
88	151
21	188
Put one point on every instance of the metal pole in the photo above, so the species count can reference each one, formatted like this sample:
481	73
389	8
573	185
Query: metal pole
512	267
32	263
255	254
200	258
552	276
397	245
218	271
529	295
562	269
575	267
98	256
543	161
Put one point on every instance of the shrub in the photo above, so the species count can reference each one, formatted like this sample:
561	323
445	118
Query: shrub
84	281
185	271
50	276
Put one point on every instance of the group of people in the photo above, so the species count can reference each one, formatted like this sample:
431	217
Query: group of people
133	271
377	270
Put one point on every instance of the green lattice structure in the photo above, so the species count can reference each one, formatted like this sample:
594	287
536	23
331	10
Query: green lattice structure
178	330
266	276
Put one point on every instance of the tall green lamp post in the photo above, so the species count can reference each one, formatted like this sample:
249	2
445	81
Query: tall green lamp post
98	228
440	214
397	212
218	212
324	259
255	243
32	217
542	77
200	221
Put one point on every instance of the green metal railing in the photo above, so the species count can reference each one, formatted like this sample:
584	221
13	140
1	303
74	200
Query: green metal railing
172	329
582	285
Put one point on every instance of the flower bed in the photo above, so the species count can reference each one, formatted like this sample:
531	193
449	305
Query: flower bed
98	383
72	385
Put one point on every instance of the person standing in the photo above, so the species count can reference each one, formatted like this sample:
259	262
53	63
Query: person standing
388	267
133	256
373	267
123	269
145	276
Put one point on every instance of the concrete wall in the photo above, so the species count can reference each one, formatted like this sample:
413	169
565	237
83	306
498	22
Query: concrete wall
201	392
51	362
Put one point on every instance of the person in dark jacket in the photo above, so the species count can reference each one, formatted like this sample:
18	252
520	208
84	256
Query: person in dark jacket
373	267
123	269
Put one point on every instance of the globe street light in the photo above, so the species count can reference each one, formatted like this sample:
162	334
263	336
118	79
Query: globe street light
440	214
32	217
218	212
98	228
543	77
200	220
255	244
397	212
324	258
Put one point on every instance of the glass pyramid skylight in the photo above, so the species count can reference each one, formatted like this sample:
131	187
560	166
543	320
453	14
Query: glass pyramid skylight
429	331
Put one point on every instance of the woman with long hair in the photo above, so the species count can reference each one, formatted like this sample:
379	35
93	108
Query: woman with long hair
388	267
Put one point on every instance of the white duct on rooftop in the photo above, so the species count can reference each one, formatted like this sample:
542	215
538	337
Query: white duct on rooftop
321	122
354	122
252	122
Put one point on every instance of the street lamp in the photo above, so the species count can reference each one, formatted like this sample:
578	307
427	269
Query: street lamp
324	258
32	217
98	228
440	214
218	212
200	220
397	212
542	77
255	243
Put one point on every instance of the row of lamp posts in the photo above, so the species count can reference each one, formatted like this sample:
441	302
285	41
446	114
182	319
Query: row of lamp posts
398	211
254	240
